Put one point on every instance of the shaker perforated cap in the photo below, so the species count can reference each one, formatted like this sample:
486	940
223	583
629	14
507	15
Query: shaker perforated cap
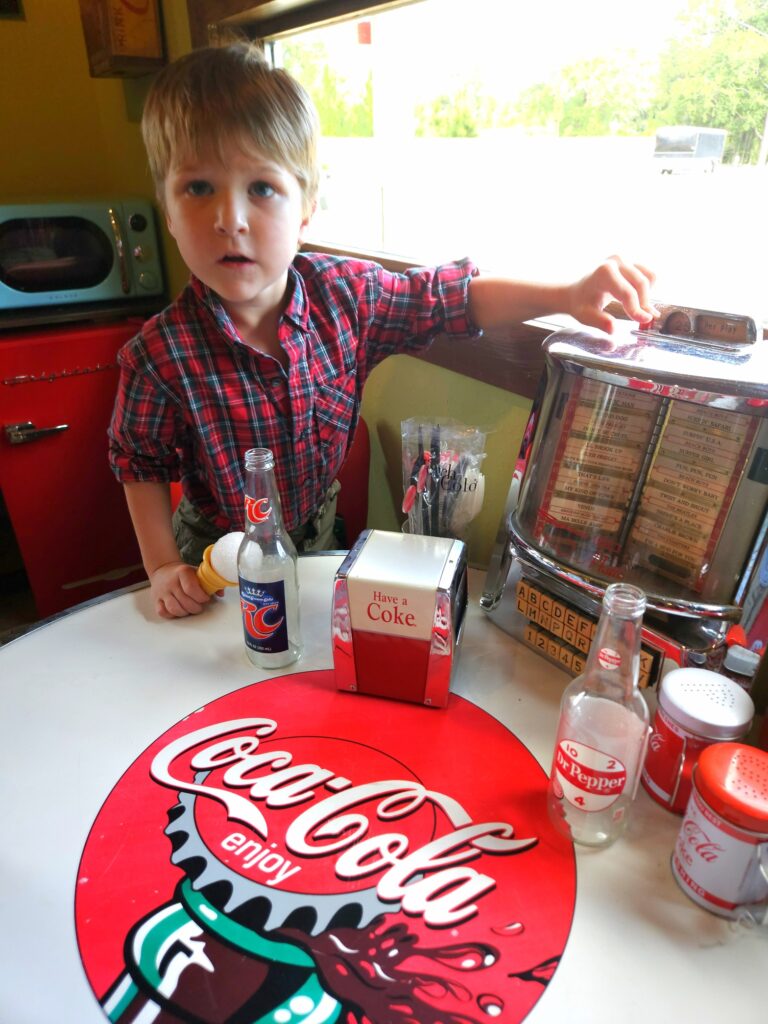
733	779
742	660
706	703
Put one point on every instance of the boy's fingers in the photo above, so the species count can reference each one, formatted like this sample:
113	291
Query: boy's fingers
190	588
178	602
179	606
188	604
631	286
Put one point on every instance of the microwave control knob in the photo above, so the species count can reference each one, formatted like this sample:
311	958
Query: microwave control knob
142	253
148	280
138	222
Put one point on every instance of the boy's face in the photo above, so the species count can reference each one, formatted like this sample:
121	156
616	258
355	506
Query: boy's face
238	221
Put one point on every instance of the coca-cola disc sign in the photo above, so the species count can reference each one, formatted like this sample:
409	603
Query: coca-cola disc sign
290	854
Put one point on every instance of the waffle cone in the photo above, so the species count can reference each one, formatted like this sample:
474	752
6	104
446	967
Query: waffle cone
209	579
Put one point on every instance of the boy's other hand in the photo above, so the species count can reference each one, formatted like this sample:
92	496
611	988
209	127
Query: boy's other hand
176	591
627	283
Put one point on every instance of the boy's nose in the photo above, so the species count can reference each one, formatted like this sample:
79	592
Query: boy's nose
231	216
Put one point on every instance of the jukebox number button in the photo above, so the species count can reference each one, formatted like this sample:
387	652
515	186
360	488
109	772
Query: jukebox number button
565	655
562	634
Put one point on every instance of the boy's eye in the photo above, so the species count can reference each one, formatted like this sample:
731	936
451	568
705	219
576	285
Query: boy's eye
262	189
198	188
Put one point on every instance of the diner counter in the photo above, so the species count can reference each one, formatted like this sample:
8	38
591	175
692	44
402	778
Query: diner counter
85	694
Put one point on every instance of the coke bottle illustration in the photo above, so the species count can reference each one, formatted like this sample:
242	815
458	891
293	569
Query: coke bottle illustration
230	950
267	570
189	961
603	729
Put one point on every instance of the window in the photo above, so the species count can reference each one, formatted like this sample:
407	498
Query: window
525	136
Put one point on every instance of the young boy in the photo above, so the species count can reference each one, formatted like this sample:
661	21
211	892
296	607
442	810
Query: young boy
266	347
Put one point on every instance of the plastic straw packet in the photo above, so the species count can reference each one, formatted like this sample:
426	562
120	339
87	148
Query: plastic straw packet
443	485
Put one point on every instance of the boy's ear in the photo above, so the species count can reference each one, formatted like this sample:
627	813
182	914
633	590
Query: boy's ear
305	223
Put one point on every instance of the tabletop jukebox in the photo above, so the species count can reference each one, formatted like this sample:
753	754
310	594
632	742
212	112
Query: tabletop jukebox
645	459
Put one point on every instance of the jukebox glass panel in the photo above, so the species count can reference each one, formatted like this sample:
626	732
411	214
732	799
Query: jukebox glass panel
665	493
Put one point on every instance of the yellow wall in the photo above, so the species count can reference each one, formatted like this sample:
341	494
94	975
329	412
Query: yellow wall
403	387
63	133
66	134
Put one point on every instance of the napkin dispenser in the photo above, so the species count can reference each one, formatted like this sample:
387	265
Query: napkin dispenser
399	602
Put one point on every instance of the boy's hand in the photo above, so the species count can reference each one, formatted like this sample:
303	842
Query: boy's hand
176	591
628	283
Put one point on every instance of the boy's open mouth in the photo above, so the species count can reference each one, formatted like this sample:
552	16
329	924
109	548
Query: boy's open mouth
234	258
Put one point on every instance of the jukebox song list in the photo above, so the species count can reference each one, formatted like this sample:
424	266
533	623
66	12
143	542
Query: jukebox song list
640	481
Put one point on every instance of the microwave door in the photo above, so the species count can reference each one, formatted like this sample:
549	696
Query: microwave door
55	258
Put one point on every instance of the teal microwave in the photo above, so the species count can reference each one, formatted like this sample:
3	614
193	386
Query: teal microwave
61	260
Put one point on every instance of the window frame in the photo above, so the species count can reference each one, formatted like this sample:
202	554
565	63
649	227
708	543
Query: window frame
210	20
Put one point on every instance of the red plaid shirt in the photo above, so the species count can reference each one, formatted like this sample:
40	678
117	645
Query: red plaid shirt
192	398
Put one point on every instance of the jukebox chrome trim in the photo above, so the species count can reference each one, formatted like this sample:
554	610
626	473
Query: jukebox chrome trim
595	587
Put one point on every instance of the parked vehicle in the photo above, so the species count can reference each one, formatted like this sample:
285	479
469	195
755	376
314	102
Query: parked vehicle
684	148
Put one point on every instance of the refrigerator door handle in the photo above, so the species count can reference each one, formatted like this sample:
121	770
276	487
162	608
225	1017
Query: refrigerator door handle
23	433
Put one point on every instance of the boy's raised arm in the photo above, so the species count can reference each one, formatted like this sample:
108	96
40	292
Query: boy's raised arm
176	590
499	302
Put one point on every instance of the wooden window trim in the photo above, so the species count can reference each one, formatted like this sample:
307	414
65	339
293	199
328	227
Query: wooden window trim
208	19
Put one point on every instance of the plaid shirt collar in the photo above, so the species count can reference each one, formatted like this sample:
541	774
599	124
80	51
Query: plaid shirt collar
296	307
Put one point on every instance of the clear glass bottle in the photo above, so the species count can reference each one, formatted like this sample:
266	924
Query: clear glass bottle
603	730
267	570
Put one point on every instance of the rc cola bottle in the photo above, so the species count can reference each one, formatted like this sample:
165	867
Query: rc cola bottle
603	730
267	570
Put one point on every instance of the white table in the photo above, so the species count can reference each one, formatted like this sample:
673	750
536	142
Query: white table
83	695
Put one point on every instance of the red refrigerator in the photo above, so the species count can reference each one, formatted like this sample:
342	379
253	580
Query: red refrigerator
66	510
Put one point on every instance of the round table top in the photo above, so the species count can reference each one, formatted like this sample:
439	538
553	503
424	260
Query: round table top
85	694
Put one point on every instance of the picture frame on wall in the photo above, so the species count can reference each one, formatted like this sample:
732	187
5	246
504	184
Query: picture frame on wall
11	9
123	38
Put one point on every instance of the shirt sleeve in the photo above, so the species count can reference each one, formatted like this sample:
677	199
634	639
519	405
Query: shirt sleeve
411	309
142	433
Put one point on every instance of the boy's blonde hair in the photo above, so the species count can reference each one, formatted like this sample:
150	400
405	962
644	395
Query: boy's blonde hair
218	95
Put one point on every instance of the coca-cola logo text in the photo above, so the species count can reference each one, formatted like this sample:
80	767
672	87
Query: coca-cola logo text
656	742
433	881
694	841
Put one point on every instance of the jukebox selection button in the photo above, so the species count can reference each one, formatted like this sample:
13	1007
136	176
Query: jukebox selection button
564	634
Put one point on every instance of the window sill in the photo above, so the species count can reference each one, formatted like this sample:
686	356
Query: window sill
512	359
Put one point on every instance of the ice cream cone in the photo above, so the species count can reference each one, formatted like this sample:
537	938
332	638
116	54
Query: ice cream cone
209	579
